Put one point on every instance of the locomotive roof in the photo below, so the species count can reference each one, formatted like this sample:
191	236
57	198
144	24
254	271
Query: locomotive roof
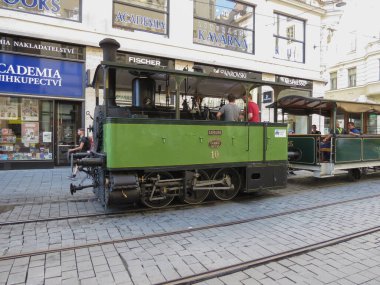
197	83
299	105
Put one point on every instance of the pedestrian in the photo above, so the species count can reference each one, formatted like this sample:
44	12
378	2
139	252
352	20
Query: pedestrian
84	145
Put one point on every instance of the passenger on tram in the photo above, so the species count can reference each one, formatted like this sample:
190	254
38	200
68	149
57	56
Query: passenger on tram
314	130
338	131
230	111
253	110
326	142
352	130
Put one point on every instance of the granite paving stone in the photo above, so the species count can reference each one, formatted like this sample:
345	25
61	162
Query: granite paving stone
189	253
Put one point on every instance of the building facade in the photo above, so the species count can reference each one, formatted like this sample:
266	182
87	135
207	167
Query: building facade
354	70
49	52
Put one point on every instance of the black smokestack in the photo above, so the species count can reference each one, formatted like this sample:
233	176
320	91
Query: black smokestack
110	47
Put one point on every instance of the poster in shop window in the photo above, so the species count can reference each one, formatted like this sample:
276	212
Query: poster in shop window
8	109
29	110
30	132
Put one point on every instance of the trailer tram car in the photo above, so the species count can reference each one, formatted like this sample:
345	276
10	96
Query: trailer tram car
354	154
153	154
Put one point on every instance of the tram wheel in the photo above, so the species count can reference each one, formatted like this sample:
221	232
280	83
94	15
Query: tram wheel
231	177
192	196
154	196
354	174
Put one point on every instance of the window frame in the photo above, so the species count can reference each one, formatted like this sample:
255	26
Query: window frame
231	26
352	77
289	39
333	80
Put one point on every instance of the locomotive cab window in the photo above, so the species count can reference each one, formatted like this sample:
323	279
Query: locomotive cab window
148	94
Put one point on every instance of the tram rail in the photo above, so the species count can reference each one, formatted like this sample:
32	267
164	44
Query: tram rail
268	259
142	210
182	231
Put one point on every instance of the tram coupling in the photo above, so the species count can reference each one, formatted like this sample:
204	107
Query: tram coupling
88	159
74	188
294	154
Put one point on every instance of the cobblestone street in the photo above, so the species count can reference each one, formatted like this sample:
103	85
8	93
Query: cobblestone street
121	249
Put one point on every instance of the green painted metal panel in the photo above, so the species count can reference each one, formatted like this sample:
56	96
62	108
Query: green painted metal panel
256	143
276	143
144	145
155	143
371	148
307	146
348	149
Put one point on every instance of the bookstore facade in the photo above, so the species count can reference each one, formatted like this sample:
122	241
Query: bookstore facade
41	101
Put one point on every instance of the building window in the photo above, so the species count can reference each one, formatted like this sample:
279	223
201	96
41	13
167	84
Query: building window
333	81
289	38
352	77
68	10
144	15
224	24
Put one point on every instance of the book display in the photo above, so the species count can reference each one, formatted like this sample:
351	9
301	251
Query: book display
20	136
12	148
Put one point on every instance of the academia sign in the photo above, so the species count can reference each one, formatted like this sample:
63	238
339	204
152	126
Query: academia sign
69	10
40	76
134	18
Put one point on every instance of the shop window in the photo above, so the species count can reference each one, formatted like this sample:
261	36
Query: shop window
333	81
289	38
224	24
352	77
25	129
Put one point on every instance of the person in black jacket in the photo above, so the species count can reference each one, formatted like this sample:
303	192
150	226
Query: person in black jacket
314	130
84	145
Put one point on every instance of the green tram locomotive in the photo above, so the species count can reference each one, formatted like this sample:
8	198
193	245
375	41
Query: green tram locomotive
354	154
153	154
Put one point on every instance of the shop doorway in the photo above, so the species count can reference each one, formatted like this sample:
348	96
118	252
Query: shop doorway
68	120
